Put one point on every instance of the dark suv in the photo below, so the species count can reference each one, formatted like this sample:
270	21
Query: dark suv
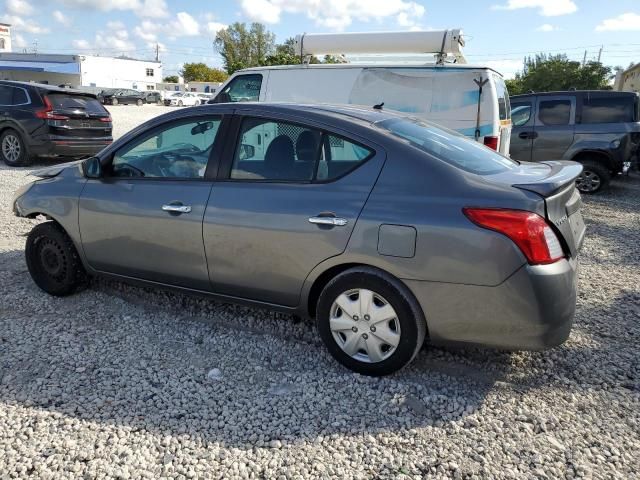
600	129
43	120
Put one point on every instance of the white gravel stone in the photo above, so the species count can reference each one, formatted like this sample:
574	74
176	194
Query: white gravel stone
112	382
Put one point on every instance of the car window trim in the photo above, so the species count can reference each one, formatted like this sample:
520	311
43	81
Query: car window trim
232	145
28	102
214	155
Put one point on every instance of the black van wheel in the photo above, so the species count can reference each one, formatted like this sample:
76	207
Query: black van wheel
370	322
13	149
53	261
594	177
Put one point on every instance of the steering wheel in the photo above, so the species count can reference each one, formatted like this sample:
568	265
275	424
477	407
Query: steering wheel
127	170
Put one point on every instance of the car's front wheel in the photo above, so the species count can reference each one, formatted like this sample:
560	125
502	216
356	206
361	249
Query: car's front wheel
594	177
370	322
139	102
12	149
114	101
53	261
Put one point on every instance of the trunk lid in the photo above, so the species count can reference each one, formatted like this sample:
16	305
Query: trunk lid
555	182
86	117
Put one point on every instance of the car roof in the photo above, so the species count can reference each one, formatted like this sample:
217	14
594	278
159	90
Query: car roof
46	88
321	66
573	92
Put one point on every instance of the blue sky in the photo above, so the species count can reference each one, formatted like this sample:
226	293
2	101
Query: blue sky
498	32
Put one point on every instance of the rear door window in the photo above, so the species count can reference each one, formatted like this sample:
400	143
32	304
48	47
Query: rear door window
608	109
20	97
6	95
77	102
521	113
555	112
504	108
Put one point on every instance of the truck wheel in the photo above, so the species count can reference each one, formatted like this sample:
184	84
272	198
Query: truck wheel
13	149
594	177
53	261
370	322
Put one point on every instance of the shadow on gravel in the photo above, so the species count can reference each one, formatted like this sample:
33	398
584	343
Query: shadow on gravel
99	356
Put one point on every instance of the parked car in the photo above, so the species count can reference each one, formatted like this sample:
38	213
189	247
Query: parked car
386	229
153	96
182	99
106	92
599	129
125	97
448	95
43	120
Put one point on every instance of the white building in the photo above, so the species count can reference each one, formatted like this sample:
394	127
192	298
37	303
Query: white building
80	70
5	37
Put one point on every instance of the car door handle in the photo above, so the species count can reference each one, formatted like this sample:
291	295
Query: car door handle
527	135
333	221
177	208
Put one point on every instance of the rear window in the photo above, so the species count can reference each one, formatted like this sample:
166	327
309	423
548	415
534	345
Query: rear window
503	98
608	110
449	146
76	102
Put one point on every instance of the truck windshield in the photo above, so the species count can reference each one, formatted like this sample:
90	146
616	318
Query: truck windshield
448	146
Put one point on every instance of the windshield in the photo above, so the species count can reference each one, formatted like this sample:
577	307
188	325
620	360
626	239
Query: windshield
448	146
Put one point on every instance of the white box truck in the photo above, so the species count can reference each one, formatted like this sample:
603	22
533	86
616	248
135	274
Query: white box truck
472	100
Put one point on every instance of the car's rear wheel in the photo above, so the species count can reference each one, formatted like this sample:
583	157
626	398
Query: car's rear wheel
594	177
180	103
53	261
114	101
370	322
13	149
139	102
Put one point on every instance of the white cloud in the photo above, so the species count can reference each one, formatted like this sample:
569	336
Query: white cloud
81	44
547	8
508	68
627	22
183	26
265	11
115	39
334	14
142	8
18	41
60	17
546	27
19	7
21	25
215	27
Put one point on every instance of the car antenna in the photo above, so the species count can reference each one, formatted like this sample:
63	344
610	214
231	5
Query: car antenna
378	106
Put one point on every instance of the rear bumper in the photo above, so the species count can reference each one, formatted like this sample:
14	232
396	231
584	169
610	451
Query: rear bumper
69	147
531	310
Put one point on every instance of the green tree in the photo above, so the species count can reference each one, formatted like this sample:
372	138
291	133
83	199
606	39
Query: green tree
242	47
170	79
556	72
201	72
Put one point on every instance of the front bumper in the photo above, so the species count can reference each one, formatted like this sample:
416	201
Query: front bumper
532	310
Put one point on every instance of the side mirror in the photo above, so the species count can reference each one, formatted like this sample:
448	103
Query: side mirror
247	151
92	168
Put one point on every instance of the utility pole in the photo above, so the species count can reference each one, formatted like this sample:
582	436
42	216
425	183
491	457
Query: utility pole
600	53
584	59
157	52
35	46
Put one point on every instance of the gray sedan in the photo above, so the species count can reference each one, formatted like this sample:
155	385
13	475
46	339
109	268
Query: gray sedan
387	230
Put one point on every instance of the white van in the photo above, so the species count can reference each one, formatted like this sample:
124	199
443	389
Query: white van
447	94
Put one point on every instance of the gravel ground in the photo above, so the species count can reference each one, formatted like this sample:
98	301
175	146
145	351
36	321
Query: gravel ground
122	382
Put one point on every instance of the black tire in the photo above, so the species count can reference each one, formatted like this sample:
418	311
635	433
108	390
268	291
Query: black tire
409	315
114	101
594	177
53	261
180	103
9	138
139	102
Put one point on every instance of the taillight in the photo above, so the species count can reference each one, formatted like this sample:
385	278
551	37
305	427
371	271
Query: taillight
47	113
491	142
105	119
528	230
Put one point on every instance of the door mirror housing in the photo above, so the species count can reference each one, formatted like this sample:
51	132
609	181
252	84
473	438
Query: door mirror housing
92	168
247	151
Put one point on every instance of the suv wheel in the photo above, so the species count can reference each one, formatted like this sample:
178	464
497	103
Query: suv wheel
53	261
114	101
12	149
594	177
139	102
369	322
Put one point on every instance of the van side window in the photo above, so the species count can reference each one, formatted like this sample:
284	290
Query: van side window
504	109
555	112
520	113
243	88
608	110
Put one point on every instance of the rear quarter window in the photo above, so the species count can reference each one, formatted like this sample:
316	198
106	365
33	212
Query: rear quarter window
608	110
504	109
75	102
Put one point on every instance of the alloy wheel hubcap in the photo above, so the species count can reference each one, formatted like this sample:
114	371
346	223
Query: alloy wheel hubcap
588	181
364	325
11	148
